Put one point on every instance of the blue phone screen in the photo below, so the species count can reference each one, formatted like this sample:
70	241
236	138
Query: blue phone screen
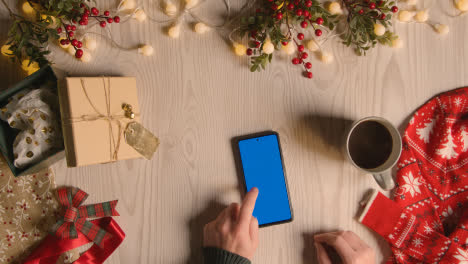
263	168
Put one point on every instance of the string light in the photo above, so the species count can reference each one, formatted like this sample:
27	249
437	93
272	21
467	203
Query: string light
146	50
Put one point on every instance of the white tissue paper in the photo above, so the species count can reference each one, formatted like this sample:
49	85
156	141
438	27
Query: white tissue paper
33	112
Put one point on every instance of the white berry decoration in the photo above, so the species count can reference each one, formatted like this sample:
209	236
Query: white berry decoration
326	57
201	28
379	30
268	47
422	16
139	15
146	50
174	31
90	43
405	16
239	49
441	29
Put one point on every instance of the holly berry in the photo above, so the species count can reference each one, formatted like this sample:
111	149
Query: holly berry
290	6
82	5
284	43
106	13
86	12
110	20
274	6
299	12
249	52
318	32
79	53
94	11
295	61
73	28
383	16
304	55
116	19
304	24
102	24
279	16
71	34
257	44
308	3
253	33
319	21
82	22
85	16
361	11
74	42
68	27
59	30
300	36
63	42
380	2
79	44
372	5
300	48
309	75
394	9
308	65
306	13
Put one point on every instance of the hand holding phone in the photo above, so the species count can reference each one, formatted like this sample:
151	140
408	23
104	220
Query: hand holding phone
262	167
235	229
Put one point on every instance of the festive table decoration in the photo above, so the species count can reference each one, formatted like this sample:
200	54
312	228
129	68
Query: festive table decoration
411	14
31	140
74	230
33	112
272	24
27	212
29	37
427	221
97	114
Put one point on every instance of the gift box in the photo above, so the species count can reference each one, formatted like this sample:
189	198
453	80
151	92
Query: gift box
95	113
44	76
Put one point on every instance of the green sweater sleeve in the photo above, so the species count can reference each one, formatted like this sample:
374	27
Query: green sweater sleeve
214	255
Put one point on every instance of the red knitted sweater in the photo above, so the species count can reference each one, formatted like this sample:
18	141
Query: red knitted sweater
427	222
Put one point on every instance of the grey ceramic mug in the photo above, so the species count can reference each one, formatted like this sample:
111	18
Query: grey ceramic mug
383	173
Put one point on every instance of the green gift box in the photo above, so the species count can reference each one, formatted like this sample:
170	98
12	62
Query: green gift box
8	134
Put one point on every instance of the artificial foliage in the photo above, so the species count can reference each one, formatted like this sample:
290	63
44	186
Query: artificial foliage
30	34
361	24
361	19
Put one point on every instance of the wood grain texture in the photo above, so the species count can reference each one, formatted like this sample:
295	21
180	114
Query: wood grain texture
195	94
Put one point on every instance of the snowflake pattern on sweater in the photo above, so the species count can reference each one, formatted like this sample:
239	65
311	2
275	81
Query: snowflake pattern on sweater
431	195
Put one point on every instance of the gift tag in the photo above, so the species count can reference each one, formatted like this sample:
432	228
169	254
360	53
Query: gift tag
141	139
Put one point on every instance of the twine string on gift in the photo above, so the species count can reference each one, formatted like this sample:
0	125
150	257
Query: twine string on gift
114	143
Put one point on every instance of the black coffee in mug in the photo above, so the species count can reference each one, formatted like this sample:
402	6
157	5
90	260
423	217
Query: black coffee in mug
370	144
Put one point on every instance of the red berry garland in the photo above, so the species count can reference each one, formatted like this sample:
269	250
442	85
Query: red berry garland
84	17
283	24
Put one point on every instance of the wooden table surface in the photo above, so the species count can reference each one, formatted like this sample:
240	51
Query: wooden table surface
196	94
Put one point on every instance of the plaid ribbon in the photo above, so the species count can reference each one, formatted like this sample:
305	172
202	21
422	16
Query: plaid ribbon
74	216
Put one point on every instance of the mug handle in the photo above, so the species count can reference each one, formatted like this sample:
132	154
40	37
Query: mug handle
384	179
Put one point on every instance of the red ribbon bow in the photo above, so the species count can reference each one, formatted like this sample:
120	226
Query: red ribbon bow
74	216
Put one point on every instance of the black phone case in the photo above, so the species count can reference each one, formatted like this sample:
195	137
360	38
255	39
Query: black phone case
240	169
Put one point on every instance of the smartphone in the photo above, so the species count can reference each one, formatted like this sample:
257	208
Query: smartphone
262	166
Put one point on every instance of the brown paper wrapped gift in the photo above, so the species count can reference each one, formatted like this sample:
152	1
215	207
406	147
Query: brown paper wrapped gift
94	121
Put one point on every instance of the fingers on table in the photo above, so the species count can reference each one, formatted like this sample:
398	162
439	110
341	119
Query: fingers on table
337	241
354	241
247	208
322	255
